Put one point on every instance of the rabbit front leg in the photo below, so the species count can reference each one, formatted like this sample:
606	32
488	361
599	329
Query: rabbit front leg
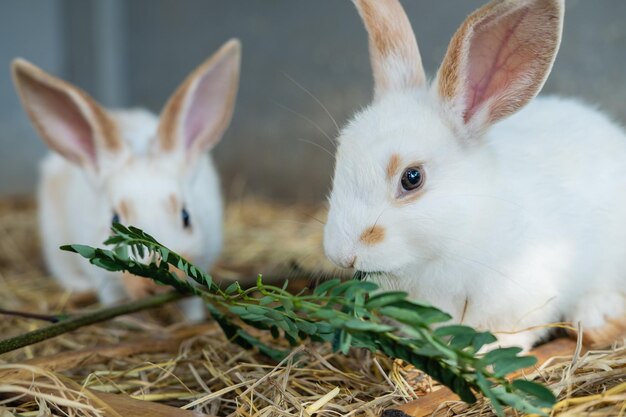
193	309
524	340
602	314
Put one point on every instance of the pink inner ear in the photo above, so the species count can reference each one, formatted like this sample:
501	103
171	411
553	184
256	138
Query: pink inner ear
208	106
499	55
61	122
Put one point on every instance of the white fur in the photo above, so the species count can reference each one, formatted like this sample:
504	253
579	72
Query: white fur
521	223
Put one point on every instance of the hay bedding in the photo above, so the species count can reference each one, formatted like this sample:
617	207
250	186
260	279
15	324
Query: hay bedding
195	368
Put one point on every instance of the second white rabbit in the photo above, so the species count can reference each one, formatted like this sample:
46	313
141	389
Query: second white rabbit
131	167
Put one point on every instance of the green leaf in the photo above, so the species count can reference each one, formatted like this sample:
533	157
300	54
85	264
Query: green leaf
83	250
485	387
506	366
287	304
325	314
207	280
324	328
404	316
273	314
345	340
544	397
455	330
266	300
481	339
519	403
306	327
385	298
496	355
238	310
107	264
367	326
233	288
505	360
323	288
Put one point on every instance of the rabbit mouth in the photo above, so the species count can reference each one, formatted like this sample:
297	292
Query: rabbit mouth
368	275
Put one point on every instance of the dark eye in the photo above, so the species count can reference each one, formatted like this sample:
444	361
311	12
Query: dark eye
186	218
116	218
412	178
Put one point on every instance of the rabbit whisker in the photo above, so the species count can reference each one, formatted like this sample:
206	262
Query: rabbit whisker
316	219
318	101
306	119
318	146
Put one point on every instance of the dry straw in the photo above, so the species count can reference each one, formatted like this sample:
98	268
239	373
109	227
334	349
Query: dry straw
144	359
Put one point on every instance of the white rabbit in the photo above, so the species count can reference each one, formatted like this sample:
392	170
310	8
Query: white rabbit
507	220
133	167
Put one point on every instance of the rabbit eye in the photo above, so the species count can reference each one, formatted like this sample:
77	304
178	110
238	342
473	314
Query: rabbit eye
186	218
115	218
412	178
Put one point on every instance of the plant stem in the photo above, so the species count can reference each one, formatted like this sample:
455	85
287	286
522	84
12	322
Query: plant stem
34	316
77	322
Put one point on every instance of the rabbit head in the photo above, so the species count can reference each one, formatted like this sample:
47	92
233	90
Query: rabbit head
402	162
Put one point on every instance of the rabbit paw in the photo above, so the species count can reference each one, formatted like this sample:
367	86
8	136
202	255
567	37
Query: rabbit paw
603	318
525	340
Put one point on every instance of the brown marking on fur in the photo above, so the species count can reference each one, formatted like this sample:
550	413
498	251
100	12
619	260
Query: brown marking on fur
170	130
104	125
168	124
125	210
465	307
602	337
104	130
393	166
173	204
373	235
383	41
391	35
540	38
409	198
448	76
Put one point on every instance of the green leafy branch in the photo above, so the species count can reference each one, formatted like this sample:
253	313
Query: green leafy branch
346	314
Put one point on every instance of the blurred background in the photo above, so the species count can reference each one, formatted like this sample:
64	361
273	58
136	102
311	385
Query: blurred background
135	53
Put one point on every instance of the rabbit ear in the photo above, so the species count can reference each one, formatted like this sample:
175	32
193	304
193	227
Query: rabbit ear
69	121
394	54
198	113
499	60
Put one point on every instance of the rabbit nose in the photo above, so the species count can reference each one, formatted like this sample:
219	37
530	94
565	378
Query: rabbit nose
346	261
339	254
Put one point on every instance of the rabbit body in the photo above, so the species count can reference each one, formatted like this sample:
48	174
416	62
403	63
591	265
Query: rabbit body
520	221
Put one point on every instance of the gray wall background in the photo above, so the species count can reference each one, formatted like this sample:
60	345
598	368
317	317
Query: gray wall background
129	53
